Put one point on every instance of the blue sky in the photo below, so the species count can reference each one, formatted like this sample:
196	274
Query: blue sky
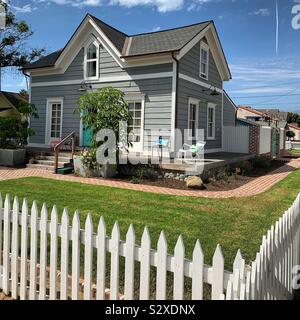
247	29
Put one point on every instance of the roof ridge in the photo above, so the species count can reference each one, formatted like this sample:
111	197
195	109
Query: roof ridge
108	25
171	29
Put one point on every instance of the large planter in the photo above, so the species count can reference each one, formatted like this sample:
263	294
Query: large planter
106	171
12	157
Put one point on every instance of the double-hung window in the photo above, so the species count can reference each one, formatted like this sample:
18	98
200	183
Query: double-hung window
211	121
92	61
193	118
204	60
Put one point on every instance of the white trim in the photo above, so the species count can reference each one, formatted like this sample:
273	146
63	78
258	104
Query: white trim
106	79
222	116
211	105
215	47
197	103
192	43
198	82
142	101
51	101
86	61
173	114
205	47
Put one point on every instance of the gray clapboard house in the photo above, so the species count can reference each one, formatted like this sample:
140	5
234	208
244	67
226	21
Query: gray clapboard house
171	79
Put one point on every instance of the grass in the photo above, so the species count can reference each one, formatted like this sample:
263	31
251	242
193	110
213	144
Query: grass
297	152
233	223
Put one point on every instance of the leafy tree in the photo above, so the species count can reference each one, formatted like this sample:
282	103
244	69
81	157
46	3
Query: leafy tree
290	134
13	38
293	118
103	109
14	129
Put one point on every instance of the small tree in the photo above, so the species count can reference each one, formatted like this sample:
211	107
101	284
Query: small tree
103	109
14	130
290	134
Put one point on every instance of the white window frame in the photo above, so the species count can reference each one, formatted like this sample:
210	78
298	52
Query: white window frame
86	60
51	101
204	46
211	106
138	99
197	103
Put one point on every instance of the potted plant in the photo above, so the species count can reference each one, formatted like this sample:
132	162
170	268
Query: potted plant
101	110
14	133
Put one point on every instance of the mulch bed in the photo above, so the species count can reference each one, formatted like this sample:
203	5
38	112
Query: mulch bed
231	183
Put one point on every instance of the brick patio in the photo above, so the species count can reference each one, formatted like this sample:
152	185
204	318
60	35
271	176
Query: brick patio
254	187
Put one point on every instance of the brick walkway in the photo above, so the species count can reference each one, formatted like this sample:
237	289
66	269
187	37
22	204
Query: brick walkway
254	187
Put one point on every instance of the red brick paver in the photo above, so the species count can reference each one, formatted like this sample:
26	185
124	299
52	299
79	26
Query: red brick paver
254	187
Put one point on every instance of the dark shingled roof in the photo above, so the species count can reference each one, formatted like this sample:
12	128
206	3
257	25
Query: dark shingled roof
140	44
47	61
163	41
13	97
115	36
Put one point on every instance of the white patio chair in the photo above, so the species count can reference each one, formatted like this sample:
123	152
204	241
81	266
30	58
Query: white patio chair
191	152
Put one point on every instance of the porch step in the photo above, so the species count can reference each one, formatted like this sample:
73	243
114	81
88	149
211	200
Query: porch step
40	166
52	159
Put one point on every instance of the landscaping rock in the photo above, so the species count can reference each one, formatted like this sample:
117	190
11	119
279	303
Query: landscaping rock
194	182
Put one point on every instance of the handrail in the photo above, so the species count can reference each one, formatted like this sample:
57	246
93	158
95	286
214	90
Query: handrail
71	136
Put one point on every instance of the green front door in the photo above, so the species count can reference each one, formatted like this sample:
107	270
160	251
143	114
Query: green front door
87	136
275	143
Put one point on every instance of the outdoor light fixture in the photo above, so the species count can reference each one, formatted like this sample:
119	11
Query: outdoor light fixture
84	86
214	91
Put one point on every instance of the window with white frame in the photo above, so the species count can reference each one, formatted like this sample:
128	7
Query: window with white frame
135	123
92	61
211	121
204	60
193	118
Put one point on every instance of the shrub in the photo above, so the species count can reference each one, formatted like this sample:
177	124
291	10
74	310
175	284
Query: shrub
14	130
261	163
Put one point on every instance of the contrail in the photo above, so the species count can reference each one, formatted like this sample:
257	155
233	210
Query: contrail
277	27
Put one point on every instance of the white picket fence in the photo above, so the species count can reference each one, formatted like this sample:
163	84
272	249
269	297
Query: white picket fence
236	139
52	271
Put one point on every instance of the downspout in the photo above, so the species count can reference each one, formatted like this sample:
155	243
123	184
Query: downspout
176	61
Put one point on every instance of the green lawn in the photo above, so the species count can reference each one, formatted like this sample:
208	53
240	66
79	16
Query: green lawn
297	152
233	223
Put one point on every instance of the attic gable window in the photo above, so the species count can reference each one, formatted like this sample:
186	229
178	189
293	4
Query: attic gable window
91	71
204	60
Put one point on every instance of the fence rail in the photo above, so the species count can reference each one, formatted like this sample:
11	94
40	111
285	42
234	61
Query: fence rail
41	259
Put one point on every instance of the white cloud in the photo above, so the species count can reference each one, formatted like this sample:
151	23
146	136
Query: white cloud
27	8
197	4
160	5
155	29
269	76
74	3
264	12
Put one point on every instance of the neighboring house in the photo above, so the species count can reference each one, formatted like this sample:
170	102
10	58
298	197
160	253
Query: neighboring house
268	118
9	102
296	130
171	79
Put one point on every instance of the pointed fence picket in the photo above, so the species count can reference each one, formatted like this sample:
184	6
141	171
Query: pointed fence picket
270	276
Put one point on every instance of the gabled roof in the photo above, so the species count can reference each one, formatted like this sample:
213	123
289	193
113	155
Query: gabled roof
252	110
167	41
163	41
293	126
117	37
13	97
